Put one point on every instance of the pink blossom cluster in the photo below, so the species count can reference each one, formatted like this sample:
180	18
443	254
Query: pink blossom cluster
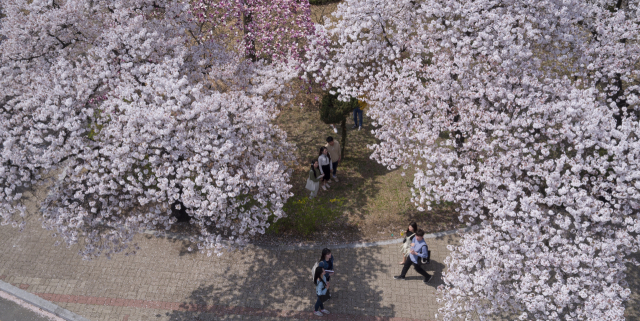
117	93
525	114
272	29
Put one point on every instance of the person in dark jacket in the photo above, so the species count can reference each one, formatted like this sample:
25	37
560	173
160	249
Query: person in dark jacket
326	262
405	248
315	176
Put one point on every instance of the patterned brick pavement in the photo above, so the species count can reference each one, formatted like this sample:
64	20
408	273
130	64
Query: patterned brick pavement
164	281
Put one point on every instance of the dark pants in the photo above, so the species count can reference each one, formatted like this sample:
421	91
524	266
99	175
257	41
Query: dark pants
335	167
319	305
326	169
417	267
357	113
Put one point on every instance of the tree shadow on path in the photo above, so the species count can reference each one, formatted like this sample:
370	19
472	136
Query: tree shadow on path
270	283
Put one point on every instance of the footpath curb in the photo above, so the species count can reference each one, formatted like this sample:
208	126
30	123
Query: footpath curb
40	302
178	236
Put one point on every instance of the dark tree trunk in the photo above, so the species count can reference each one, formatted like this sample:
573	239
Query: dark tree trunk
250	44
343	143
180	214
620	102
457	135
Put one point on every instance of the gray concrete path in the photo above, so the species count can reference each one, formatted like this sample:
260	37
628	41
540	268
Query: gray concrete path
11	311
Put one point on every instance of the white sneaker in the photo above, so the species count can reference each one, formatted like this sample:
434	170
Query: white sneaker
327	184
335	179
359	128
325	311
318	313
324	187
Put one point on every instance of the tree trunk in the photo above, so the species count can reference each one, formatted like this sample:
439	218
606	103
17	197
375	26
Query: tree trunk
457	135
250	44
180	214
620	102
343	126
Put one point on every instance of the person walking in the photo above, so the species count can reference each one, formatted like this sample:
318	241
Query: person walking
322	288
419	249
409	235
357	112
333	147
313	182
326	166
326	262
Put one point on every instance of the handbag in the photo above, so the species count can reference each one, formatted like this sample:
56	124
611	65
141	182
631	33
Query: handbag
311	185
405	247
325	297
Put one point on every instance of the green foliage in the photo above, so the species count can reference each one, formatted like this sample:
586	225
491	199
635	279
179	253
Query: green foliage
321	2
333	111
94	128
306	216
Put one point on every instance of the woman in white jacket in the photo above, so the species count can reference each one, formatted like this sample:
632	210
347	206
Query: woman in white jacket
326	167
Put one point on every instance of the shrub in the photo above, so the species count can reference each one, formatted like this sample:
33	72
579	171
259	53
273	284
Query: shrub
334	111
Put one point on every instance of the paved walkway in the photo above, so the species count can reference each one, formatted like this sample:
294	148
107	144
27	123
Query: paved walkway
164	281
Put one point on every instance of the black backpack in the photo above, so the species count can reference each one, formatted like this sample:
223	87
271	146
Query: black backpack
426	260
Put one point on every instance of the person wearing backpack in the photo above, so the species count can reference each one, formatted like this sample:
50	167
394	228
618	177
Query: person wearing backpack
326	262
419	250
322	292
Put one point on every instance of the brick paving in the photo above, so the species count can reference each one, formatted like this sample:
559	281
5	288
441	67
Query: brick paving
164	281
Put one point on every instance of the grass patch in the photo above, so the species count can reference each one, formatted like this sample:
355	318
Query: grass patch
375	201
306	216
321	2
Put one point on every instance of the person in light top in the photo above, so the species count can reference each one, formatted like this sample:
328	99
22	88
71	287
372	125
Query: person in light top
326	166
419	250
322	286
333	148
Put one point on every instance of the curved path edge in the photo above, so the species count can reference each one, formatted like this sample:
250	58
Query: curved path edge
40	302
179	236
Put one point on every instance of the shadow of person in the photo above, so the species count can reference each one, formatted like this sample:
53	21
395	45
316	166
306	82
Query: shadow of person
434	268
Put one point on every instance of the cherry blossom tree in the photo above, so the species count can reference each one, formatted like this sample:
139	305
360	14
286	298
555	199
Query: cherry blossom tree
272	29
141	115
525	114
